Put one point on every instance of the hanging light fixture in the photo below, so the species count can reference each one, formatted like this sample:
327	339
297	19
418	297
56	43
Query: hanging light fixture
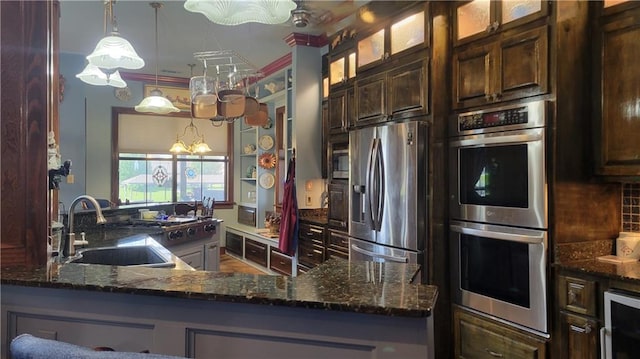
111	53
155	102
114	51
197	146
94	76
234	12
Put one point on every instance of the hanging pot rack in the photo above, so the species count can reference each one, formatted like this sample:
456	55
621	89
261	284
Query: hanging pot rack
233	75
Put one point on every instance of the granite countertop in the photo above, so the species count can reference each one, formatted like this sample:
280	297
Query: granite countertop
319	220
339	285
626	271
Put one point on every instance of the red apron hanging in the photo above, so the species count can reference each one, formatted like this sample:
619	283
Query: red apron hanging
288	240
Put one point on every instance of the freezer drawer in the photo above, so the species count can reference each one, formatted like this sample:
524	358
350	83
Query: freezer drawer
369	251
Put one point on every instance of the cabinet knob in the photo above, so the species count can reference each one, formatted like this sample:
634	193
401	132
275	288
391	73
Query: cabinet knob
572	296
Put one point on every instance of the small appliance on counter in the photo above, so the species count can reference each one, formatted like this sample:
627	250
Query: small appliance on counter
627	249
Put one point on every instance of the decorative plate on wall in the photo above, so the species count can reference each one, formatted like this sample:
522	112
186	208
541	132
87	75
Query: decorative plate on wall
267	160
267	180
265	142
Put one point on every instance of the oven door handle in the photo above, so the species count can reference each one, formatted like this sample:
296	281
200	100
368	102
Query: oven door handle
513	237
502	139
378	255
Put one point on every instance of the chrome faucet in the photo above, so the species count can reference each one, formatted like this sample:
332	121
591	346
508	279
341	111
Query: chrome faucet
71	236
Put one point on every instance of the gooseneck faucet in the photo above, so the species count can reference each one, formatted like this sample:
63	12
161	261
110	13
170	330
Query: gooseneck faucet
71	236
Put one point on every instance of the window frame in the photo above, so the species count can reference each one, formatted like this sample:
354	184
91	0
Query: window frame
115	154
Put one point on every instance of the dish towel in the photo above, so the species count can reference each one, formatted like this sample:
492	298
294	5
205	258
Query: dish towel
288	240
26	346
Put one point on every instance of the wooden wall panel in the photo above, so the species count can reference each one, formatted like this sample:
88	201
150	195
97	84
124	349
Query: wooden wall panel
24	110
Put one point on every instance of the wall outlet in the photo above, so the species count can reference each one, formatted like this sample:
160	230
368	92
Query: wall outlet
308	200
70	178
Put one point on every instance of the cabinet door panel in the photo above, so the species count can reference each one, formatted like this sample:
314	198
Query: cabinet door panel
371	49
479	337
408	90
472	18
256	252
581	336
516	9
234	243
338	213
472	76
337	111
620	86
370	100
523	65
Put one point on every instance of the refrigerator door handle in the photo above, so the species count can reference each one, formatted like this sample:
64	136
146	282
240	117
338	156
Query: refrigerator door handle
378	255
380	185
373	205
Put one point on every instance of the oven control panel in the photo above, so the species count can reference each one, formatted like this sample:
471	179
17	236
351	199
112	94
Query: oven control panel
506	117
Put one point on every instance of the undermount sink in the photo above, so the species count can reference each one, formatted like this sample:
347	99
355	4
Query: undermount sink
145	256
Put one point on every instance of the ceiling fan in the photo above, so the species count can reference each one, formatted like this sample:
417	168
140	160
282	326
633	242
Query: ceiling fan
321	14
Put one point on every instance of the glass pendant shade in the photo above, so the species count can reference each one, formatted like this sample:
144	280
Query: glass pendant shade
200	148
234	12
156	103
94	76
178	147
113	52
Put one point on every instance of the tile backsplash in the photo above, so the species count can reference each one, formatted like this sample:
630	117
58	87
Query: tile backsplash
631	207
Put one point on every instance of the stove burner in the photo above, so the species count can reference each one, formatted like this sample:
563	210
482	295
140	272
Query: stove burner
182	230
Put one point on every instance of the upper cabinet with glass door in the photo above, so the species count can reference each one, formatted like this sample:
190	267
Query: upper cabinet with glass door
398	36
342	60
480	18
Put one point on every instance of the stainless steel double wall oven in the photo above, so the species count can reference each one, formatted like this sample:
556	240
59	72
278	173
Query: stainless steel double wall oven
498	204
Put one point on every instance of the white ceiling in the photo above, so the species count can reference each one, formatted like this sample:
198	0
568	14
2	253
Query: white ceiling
180	33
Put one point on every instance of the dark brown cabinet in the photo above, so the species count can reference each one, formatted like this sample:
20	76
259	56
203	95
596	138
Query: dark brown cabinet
234	244
578	323
341	110
337	245
402	32
279	262
311	239
397	93
255	252
581	336
513	66
474	20
617	87
338	213
479	337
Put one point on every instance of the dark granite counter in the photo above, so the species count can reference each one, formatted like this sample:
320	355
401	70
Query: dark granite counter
625	272
337	285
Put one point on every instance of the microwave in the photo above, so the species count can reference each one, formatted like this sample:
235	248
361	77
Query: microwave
340	160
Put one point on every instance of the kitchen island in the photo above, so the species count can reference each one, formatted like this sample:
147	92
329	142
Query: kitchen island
339	309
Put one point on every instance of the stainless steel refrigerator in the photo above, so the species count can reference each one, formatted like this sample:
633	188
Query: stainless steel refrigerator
389	193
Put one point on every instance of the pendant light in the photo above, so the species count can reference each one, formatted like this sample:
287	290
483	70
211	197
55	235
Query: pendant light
234	12
111	53
94	76
155	102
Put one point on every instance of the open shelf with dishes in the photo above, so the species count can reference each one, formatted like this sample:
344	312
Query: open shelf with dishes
255	168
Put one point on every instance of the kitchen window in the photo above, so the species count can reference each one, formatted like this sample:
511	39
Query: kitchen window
146	172
153	178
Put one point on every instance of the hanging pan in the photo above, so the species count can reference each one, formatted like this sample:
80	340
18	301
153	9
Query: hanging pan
203	96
